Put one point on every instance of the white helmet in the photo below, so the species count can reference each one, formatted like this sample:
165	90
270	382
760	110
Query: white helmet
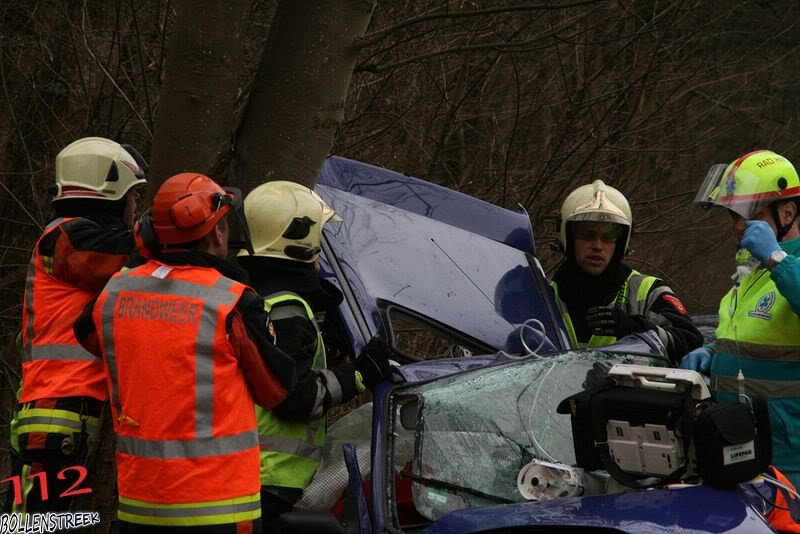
286	221
97	168
596	202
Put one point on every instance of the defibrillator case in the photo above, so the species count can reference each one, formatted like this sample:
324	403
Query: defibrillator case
723	443
733	441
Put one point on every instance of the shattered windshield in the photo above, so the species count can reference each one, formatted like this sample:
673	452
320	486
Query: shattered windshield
475	431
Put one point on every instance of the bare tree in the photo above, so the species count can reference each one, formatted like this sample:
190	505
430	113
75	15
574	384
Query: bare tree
198	95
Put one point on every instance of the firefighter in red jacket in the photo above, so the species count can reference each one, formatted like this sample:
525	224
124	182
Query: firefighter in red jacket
63	386
187	352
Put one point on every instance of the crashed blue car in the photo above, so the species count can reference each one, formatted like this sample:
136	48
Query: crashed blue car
454	284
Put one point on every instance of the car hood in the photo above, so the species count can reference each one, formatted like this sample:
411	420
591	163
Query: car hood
455	260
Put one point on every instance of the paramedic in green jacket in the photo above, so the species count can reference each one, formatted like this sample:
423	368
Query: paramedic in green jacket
600	298
759	326
286	221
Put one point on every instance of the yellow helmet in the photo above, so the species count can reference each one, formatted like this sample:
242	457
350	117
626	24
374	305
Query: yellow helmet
596	202
97	168
750	183
286	221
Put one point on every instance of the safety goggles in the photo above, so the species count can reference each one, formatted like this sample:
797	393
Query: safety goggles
590	231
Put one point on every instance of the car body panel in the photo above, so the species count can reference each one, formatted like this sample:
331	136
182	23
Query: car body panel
401	255
645	512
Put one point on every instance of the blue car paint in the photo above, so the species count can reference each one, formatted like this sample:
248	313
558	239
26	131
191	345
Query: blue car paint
433	201
388	256
399	229
692	509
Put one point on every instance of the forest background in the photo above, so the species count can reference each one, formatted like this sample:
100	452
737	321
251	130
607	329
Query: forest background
513	102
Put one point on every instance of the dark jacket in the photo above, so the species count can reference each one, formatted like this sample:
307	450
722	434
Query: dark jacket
296	334
666	315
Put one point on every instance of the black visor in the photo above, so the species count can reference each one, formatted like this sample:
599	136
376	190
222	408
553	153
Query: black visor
239	231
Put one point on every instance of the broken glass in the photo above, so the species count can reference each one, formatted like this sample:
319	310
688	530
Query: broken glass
475	431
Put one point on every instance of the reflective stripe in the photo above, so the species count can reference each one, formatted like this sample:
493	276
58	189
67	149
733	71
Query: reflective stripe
213	298
49	429
52	224
334	387
204	356
656	293
107	314
58	352
290	446
189	512
277	297
287	311
55	421
195	448
236	510
29	279
318	410
758	351
769	388
30	420
219	292
634	296
26	355
637	291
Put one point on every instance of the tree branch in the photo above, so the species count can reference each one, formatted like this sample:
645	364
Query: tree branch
108	75
378	35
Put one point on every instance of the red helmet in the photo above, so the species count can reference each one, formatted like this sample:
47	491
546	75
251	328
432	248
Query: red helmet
187	206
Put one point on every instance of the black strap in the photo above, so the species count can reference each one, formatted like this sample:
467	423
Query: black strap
600	434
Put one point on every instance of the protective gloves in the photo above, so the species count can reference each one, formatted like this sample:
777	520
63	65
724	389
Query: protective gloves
698	360
760	240
612	321
374	362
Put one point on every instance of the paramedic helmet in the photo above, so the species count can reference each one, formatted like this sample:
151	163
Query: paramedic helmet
749	184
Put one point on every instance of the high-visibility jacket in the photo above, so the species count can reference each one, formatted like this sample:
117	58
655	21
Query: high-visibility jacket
633	296
759	333
187	446
291	450
54	364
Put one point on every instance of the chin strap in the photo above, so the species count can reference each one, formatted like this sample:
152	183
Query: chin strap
776	218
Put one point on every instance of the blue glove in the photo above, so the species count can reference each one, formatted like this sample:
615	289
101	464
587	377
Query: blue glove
760	240
697	360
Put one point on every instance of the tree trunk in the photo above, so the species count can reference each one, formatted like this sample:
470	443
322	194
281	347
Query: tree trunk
205	59
297	99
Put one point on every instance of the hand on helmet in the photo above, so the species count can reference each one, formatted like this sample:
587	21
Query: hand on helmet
611	321
698	360
759	239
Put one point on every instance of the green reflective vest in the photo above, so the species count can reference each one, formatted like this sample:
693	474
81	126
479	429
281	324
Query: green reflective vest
633	296
759	333
291	450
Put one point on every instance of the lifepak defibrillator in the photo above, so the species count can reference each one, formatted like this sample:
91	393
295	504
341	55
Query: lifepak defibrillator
649	426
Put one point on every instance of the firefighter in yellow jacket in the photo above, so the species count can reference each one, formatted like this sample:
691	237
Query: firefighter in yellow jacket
286	221
602	299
